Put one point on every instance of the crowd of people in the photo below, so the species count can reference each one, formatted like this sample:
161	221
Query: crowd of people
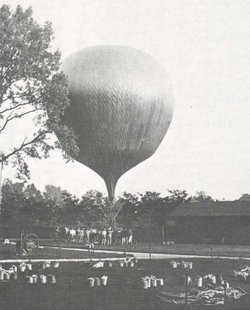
103	236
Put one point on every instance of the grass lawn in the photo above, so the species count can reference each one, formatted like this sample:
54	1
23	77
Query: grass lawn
122	293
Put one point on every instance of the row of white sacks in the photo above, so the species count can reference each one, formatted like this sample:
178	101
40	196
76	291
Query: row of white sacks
22	267
182	264
210	278
34	279
110	264
13	271
152	281
95	281
29	279
127	262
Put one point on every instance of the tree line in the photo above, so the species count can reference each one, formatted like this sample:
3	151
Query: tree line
24	207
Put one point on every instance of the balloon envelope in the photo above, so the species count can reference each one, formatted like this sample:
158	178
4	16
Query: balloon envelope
121	108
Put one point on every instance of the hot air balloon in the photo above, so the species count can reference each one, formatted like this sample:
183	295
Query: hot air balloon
121	106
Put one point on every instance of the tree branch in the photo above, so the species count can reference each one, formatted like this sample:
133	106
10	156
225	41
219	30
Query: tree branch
2	100
10	118
14	107
23	145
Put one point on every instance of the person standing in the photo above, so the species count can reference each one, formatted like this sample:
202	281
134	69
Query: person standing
130	236
78	230
87	233
110	232
123	236
104	236
72	234
81	235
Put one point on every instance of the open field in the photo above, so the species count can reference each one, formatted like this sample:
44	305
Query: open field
123	291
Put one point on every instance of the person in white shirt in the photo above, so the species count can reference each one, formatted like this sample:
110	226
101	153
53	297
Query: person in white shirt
104	236
110	232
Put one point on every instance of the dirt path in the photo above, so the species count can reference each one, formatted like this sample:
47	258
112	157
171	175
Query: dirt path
139	255
147	255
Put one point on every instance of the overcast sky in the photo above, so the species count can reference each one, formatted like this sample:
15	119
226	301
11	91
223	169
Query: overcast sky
205	47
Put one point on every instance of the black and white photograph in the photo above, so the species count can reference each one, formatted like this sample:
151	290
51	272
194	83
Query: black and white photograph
124	155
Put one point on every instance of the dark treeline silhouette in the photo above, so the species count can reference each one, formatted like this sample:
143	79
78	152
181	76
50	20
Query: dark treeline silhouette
24	208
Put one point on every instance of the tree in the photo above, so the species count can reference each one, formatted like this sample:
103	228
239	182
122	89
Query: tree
31	192
93	205
18	212
69	210
12	201
159	208
31	86
130	209
202	197
54	193
148	202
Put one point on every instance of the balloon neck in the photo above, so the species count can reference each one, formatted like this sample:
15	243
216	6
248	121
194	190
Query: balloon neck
111	184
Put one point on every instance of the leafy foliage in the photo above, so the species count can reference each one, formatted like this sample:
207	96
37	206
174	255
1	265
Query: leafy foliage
24	207
130	210
31	86
202	196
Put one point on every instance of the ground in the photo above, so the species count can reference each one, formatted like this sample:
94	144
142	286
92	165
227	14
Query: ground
182	249
55	252
124	291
